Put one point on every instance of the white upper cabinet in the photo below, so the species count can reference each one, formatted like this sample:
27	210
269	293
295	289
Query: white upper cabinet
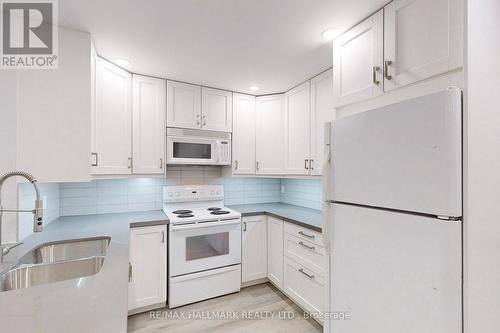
217	109
269	134
148	124
322	111
297	129
423	38
358	61
183	105
243	134
111	120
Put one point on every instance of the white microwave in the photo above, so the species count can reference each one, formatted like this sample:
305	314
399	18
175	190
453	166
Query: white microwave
198	147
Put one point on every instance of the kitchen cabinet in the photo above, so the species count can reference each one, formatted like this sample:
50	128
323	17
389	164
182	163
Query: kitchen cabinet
297	130
275	251
269	143
217	110
243	134
422	38
254	248
147	268
358	60
111	120
322	111
183	105
148	125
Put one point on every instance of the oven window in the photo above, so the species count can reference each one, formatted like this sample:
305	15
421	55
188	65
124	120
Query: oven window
204	246
192	150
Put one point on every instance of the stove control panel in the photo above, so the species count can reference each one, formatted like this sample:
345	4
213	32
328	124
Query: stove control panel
193	193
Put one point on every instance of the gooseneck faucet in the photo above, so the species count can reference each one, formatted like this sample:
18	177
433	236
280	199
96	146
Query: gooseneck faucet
37	212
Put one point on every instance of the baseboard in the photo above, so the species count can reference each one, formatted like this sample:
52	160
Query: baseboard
254	282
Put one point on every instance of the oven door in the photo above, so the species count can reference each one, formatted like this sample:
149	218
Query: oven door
191	150
204	245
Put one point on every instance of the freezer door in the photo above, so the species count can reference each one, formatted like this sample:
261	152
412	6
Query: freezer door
394	272
405	156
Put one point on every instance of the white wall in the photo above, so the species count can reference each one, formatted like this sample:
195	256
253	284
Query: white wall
482	168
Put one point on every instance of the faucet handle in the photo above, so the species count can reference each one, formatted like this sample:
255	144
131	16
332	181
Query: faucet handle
6	249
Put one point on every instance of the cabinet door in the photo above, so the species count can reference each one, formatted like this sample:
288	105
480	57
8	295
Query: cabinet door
423	38
275	251
111	121
148	267
269	135
148	124
322	111
254	248
183	105
297	129
357	62
243	134
217	110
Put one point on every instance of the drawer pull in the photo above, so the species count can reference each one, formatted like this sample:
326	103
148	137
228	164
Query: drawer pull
307	246
308	275
304	234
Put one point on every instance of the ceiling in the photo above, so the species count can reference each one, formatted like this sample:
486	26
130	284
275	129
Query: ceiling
229	44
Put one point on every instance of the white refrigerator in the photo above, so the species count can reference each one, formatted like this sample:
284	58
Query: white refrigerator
392	210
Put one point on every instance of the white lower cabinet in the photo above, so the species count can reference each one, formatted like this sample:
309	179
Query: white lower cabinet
304	286
148	268
275	251
254	248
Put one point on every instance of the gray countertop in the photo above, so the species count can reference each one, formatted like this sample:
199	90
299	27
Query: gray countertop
96	303
306	217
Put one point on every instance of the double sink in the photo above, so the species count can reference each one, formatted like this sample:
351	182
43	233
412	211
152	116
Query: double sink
56	261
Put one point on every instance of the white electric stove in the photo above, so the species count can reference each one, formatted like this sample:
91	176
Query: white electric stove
204	244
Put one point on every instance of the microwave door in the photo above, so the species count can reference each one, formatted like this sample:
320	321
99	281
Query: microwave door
184	150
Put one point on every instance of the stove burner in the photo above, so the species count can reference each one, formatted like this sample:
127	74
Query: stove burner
219	212
213	209
185	215
182	211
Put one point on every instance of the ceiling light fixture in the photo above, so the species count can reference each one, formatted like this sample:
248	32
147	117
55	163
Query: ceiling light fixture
254	88
122	62
330	34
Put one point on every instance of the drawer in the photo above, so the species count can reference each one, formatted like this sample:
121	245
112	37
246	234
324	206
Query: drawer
304	233
304	287
308	254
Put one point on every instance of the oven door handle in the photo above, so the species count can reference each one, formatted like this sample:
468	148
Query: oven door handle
203	225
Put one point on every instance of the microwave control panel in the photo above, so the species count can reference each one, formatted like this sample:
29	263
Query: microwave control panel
224	152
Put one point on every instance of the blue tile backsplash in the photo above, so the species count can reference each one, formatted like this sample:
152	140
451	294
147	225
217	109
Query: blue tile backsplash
301	192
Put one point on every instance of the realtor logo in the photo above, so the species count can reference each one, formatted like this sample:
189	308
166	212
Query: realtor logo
29	34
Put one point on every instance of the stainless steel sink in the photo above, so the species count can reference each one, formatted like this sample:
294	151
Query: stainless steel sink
66	250
25	276
56	261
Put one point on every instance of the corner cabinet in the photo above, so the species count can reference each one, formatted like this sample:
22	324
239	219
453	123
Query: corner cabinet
422	38
298	130
275	251
254	248
243	134
269	143
148	125
147	268
111	120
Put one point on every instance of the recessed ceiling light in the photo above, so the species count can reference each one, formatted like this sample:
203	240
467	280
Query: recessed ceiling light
122	62
254	88
330	34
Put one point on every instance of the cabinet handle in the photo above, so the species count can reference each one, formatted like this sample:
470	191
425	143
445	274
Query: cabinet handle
94	159
204	120
129	272
244	226
257	165
375	70
163	236
161	163
198	121
235	164
307	246
130	162
308	236
311	164
387	63
305	164
308	275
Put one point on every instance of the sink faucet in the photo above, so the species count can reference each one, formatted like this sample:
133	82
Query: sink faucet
37	212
